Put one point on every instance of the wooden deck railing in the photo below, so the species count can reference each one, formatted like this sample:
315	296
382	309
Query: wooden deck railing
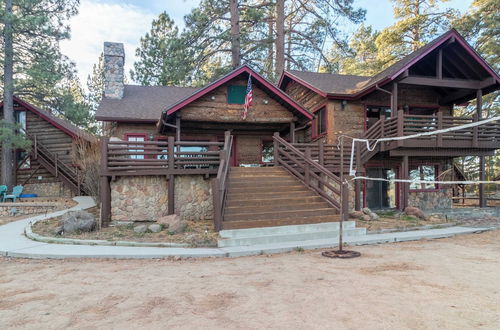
160	157
219	184
486	136
315	176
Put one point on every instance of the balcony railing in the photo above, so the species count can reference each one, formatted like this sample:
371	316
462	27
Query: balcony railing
160	157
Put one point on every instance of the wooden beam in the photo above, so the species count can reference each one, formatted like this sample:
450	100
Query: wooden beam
394	99
404	185
178	127
447	83
479	104
292	132
171	177
439	64
441	152
105	192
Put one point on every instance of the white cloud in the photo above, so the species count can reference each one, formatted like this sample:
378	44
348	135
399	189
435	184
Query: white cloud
98	22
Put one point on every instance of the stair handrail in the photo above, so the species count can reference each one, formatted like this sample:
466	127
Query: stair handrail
311	169
61	168
219	184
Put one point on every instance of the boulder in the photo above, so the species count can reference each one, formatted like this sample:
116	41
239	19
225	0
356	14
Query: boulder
356	214
373	216
366	210
414	211
77	221
366	217
154	228
140	229
173	222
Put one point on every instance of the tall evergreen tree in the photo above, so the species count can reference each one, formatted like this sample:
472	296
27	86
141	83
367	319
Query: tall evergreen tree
163	57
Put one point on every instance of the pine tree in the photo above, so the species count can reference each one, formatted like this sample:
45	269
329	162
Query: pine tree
163	59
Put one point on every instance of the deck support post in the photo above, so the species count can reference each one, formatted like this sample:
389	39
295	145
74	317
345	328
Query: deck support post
394	99
275	149
357	183
482	177
171	177
178	127
292	132
404	185
104	185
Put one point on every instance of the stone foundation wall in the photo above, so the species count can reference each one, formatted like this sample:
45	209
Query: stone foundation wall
145	198
428	200
7	209
48	189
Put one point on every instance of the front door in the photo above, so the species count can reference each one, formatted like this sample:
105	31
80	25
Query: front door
380	194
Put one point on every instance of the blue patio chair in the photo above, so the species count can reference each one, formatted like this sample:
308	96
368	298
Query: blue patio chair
3	190
14	195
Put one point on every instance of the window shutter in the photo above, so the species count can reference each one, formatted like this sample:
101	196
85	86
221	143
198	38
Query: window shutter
236	94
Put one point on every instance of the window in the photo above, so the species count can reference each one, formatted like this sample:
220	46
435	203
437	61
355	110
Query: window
236	94
21	120
373	114
23	160
319	122
423	173
267	151
138	147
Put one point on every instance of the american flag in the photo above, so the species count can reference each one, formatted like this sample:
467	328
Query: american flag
248	98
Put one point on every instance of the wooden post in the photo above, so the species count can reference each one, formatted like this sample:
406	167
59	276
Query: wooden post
357	183
382	132
439	64
104	186
217	206
292	132
307	177
478	116
178	127
275	149
35	147
171	178
394	99
400	127
439	139
404	185
482	196
321	159
57	168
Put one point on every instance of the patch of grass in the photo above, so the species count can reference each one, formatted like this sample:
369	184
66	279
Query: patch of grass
409	218
299	249
387	213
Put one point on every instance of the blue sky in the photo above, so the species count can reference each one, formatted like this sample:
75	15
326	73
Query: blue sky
127	20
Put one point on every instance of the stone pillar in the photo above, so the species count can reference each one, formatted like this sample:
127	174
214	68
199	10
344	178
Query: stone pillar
114	60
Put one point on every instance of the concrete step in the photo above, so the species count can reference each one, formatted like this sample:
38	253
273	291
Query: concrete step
275	207
279	189
297	237
272	200
281	230
279	214
241	224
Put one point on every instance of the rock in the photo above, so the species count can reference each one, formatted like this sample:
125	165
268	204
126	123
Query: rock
366	210
166	220
414	211
77	221
173	222
366	217
373	216
155	228
356	214
140	229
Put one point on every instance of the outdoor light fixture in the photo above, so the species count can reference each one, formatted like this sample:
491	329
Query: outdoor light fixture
212	98
265	101
343	104
151	137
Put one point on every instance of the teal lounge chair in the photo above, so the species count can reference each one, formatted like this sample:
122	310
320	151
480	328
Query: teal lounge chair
16	192
3	190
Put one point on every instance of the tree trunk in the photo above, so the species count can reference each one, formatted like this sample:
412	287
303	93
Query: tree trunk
280	37
8	107
235	34
270	49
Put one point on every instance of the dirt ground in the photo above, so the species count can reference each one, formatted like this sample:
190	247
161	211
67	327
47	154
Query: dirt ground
440	284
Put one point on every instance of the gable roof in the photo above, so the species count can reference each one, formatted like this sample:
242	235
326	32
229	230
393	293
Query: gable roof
141	103
351	88
62	124
287	100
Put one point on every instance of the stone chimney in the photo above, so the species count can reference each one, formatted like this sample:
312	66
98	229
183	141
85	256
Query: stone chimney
114	60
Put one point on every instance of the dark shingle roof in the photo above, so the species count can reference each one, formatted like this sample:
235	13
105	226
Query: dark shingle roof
331	83
142	102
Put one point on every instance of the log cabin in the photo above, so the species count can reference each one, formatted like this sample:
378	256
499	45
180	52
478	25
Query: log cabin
49	168
192	152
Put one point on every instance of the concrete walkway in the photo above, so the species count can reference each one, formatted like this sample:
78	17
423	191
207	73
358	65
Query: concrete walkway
13	243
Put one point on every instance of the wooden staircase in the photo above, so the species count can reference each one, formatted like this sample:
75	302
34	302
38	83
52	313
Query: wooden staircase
270	196
60	169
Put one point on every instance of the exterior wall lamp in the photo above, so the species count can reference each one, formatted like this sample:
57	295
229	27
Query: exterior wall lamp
343	104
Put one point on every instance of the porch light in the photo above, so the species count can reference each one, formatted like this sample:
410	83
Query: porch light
343	104
265	101
212	97
151	137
